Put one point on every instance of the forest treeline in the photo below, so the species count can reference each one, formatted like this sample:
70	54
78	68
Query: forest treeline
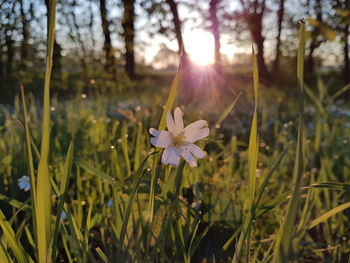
97	39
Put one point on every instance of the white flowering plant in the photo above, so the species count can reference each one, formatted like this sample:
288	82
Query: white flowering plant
179	141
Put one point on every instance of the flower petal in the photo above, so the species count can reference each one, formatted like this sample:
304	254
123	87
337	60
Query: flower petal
171	155
154	132
24	183
162	140
63	216
194	127
165	156
179	123
170	123
195	150
196	135
189	158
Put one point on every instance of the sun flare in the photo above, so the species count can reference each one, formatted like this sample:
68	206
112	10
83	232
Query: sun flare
200	46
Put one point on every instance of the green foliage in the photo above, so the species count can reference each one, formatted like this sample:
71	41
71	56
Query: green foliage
43	186
253	150
327	32
284	238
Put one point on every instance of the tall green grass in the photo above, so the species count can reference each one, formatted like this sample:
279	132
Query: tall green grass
284	238
253	150
43	186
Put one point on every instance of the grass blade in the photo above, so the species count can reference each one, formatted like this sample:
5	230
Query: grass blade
268	176
136	184
162	124
332	185
4	256
228	110
253	150
29	162
62	195
316	100
284	238
340	92
105	177
327	215
101	255
15	203
43	200
253	139
171	99
16	247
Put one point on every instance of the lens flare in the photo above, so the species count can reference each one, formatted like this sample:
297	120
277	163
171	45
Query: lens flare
200	46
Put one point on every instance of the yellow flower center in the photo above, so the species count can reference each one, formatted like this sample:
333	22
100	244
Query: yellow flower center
177	140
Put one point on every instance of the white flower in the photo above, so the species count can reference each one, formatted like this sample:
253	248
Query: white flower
109	203
179	141
63	216
23	183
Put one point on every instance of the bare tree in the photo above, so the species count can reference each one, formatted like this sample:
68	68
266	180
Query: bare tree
8	27
346	71
177	24
252	15
128	22
10	53
343	7
110	63
214	28
315	39
280	15
178	31
76	35
25	35
161	9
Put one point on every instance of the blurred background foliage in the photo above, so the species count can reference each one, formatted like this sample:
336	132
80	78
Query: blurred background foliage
114	45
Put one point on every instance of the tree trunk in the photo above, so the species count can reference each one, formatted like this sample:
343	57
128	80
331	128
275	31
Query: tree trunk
129	35
260	58
25	35
256	31
56	58
92	33
81	44
10	54
310	78
310	64
310	61
178	32
278	38
110	64
310	58
318	10
177	24
1	62
346	55
213	7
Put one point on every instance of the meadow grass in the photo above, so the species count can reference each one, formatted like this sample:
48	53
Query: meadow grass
267	198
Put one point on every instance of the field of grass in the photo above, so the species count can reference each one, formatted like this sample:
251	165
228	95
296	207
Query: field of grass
273	187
